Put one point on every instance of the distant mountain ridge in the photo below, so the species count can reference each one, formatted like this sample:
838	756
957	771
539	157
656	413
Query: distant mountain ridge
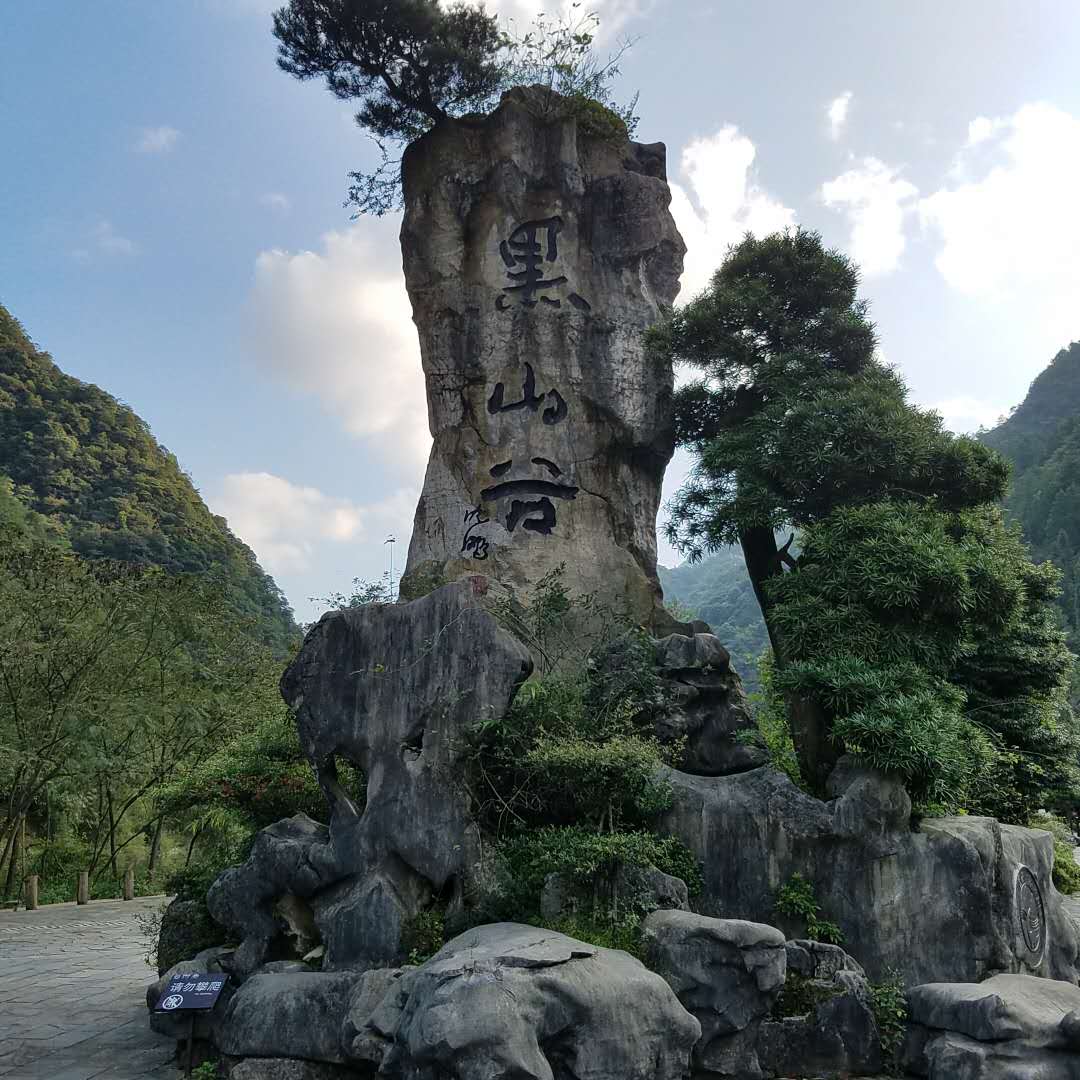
92	468
1041	437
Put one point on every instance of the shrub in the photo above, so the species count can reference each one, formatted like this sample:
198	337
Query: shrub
770	717
800	996
798	899
1066	868
424	935
184	928
585	856
890	1013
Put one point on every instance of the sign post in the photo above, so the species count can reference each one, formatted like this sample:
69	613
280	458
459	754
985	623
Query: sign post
191	992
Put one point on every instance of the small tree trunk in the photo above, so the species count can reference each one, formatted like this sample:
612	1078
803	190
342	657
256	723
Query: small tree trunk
191	847
155	847
815	749
129	884
112	832
32	892
82	890
17	835
809	724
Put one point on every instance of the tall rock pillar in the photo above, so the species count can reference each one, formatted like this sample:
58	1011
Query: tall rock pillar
537	251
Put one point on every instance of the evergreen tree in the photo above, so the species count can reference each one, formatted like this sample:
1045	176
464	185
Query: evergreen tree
797	426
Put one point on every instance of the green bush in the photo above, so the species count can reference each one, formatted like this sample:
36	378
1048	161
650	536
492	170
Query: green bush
623	932
798	899
424	935
770	717
1066	868
584	855
889	1004
800	996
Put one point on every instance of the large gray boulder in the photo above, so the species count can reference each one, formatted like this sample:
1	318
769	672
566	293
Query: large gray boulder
957	900
392	689
294	1014
537	250
767	1008
507	1000
726	972
1010	1027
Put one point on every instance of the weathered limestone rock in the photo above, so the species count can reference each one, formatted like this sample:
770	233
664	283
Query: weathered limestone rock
959	899
390	688
536	253
733	976
838	1035
726	972
507	1000
298	1015
708	707
1010	1027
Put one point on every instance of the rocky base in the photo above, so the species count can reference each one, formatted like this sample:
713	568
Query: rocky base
1010	1027
957	899
508	1000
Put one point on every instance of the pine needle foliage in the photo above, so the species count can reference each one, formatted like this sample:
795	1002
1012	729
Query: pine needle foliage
413	64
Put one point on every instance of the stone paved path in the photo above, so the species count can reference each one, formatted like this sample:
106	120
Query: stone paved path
72	995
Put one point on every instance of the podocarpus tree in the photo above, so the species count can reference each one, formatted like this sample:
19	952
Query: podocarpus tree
796	425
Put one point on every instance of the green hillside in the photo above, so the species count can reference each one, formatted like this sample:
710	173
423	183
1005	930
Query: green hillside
718	590
93	470
1042	439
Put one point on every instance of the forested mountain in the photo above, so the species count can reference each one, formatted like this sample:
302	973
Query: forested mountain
718	590
91	468
1042	439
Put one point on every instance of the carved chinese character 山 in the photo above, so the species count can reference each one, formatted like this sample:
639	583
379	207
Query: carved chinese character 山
537	251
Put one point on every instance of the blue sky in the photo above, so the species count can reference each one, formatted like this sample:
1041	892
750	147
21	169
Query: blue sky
174	229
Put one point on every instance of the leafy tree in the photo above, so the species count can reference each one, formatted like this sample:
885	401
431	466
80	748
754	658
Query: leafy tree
112	678
412	64
902	572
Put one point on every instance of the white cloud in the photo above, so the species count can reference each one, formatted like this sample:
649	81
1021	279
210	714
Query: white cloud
967	414
613	14
980	129
102	238
1011	235
290	527
338	324
837	114
722	202
157	140
275	200
875	201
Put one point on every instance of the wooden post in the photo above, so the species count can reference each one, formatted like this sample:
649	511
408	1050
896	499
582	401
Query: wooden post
82	895
32	892
129	884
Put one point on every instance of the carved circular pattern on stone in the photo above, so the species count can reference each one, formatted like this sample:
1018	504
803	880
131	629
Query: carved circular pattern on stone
1030	911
